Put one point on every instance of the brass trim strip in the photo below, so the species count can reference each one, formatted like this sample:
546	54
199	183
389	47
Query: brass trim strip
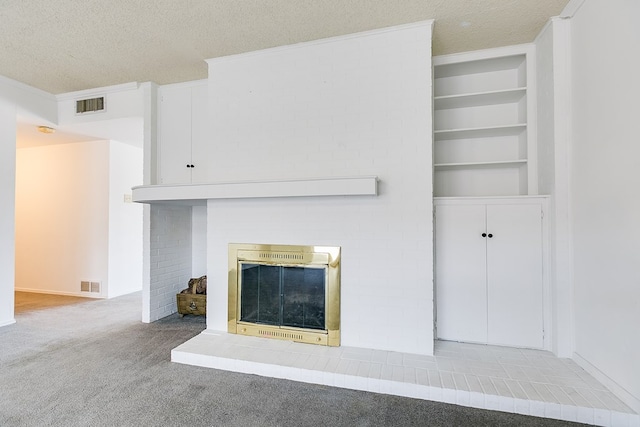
297	335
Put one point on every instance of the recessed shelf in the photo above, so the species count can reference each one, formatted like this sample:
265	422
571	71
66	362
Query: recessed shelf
454	75
479	132
451	66
479	98
484	123
481	165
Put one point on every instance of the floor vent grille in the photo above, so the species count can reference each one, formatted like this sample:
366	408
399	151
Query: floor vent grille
86	286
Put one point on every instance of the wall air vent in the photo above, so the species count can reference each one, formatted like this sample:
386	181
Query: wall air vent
90	105
95	287
86	286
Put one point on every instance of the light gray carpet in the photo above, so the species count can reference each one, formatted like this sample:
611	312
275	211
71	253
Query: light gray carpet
94	363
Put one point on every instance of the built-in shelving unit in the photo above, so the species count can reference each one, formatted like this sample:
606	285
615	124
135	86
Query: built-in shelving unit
484	143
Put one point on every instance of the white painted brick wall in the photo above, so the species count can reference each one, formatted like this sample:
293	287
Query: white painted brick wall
170	258
349	106
199	241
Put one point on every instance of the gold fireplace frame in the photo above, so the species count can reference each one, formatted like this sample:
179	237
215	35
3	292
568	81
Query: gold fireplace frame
287	255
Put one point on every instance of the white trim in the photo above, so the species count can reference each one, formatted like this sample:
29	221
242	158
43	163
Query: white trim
476	55
547	295
198	193
571	8
532	119
96	92
180	85
621	393
31	103
8	322
427	23
562	193
22	86
68	294
543	29
534	199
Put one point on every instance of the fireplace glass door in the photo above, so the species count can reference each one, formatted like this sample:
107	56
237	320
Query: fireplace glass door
286	296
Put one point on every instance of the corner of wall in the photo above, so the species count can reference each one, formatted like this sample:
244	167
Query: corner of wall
150	133
125	220
632	401
7	213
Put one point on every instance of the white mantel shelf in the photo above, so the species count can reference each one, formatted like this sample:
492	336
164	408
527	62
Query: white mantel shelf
197	194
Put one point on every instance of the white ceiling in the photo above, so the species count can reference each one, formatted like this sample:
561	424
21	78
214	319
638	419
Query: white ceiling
69	45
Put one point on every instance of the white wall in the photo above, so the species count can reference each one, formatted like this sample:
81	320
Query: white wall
29	101
121	101
72	223
149	92
356	105
553	108
199	241
7	212
125	220
62	216
170	258
605	177
545	105
15	98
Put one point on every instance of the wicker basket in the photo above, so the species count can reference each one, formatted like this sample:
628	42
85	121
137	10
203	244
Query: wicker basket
192	303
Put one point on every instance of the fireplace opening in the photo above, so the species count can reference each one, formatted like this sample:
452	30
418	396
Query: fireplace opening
283	296
285	292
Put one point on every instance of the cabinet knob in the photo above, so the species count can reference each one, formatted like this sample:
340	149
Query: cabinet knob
484	234
490	235
188	166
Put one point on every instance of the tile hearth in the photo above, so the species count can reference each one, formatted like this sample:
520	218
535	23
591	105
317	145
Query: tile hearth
529	382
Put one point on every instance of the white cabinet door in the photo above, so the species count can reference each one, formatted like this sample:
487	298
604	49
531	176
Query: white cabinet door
514	275
199	134
174	126
489	288
461	287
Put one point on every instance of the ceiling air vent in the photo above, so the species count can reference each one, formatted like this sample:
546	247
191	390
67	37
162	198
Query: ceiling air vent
89	105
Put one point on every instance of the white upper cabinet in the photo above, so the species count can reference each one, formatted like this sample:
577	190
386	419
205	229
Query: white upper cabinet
182	119
484	141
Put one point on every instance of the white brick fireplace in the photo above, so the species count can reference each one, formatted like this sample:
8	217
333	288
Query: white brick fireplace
358	105
353	106
280	121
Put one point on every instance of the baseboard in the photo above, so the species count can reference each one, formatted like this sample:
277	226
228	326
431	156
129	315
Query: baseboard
629	399
68	294
8	322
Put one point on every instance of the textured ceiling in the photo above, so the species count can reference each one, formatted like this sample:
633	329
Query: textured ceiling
68	45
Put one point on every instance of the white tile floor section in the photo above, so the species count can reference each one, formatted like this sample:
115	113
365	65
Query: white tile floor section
529	382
